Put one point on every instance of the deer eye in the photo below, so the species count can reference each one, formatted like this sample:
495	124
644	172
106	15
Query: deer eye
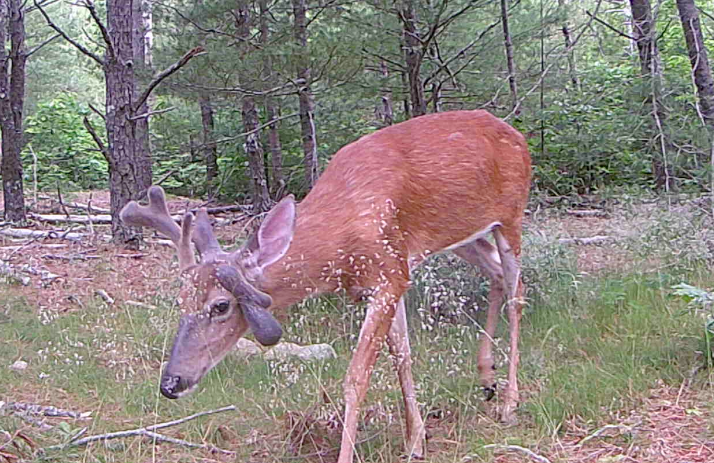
220	308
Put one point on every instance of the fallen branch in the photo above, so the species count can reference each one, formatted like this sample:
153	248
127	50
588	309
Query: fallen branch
590	240
601	431
515	448
587	213
45	410
140	304
39	245
51	234
69	257
148	431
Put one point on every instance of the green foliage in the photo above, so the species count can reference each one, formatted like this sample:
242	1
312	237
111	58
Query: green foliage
66	154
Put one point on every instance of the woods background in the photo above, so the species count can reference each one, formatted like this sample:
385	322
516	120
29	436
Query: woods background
612	95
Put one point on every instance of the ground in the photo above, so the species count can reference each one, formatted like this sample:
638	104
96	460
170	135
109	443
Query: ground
671	424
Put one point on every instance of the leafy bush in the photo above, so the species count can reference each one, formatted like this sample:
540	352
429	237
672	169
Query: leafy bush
66	153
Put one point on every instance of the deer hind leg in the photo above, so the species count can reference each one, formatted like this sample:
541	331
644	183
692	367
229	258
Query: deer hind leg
380	312
508	244
485	256
398	340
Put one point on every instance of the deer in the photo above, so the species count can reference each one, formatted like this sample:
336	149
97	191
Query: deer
441	182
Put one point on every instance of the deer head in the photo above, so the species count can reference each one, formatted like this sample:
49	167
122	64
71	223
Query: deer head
220	300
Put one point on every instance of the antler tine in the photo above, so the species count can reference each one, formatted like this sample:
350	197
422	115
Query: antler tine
156	215
203	237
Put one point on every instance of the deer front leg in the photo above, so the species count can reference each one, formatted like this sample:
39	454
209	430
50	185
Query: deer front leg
398	340
380	312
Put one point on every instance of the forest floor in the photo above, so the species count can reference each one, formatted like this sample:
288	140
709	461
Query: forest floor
77	321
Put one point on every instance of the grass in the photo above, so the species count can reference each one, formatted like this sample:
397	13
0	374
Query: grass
593	348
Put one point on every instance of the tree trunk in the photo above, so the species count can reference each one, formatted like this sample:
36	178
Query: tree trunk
12	98
565	28
509	54
210	151
307	104
643	29
689	15
142	40
254	151
413	57
272	109
251	124
127	174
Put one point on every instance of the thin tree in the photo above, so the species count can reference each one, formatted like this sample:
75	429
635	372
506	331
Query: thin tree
698	57
645	37
567	37
124	103
413	55
510	61
143	63
272	108
305	96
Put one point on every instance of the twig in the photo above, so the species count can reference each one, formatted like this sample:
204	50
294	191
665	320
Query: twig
514	448
152	113
148	431
34	173
105	296
38	234
97	139
59	197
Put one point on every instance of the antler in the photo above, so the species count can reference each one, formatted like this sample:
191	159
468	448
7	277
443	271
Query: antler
204	239
156	215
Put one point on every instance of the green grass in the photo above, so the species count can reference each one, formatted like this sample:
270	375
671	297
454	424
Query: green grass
592	347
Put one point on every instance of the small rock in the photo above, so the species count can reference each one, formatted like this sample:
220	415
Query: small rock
287	350
19	365
245	348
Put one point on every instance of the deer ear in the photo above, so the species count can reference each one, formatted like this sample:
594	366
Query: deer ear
275	234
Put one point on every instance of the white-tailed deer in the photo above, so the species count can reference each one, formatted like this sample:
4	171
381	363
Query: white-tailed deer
385	202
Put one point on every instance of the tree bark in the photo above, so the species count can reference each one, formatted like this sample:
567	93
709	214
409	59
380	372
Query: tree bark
251	123
413	52
272	109
210	151
305	97
701	71
510	63
643	29
12	99
127	176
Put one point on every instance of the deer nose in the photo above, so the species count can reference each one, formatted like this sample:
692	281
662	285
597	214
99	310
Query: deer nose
170	386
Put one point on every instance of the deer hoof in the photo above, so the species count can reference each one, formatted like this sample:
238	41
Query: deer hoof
489	392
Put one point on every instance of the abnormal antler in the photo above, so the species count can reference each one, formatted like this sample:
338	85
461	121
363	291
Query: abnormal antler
156	215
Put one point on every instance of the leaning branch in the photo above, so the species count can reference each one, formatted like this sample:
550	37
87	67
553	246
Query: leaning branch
105	34
97	139
166	73
38	47
69	39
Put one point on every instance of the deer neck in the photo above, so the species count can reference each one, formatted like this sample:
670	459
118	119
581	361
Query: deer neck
307	269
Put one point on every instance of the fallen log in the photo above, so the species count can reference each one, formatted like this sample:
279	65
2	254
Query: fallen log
38	234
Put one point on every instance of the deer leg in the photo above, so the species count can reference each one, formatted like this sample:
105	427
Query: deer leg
380	312
398	340
514	291
485	256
